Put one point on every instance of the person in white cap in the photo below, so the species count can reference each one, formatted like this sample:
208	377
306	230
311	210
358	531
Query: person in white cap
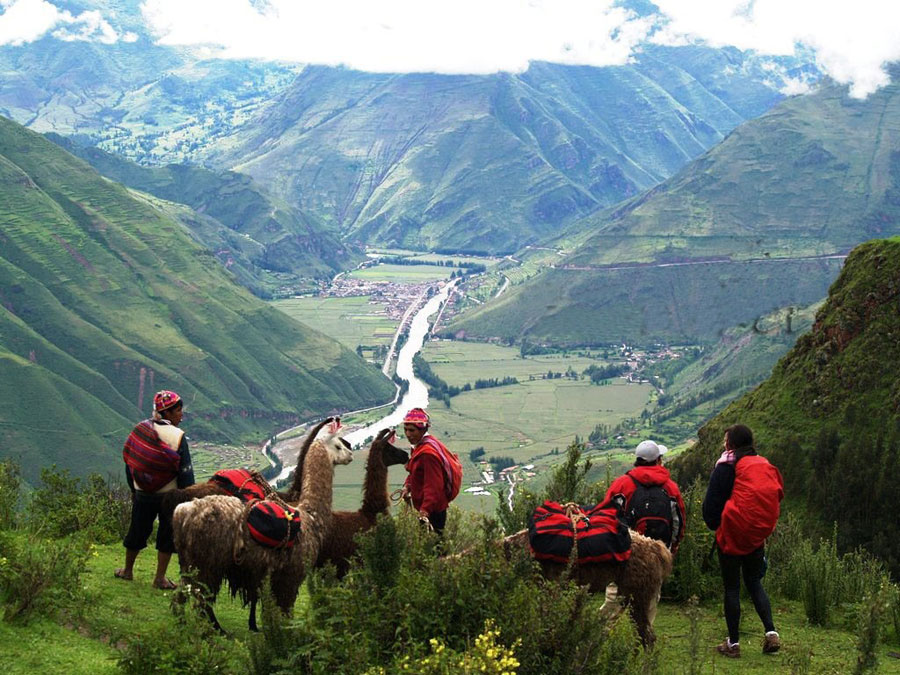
648	499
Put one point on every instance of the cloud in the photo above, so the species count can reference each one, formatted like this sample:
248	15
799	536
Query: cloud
852	41
24	21
462	36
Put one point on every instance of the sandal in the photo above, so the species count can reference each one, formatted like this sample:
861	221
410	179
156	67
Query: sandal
166	585
123	575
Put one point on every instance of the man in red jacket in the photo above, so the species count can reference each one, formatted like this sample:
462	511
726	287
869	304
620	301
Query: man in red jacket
426	485
648	499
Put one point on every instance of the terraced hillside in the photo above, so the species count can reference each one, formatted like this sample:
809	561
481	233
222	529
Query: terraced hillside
746	228
103	300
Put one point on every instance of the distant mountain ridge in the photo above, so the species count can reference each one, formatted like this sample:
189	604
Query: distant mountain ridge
488	163
103	299
750	224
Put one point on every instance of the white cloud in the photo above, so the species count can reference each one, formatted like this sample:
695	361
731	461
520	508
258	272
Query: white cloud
28	20
462	36
852	40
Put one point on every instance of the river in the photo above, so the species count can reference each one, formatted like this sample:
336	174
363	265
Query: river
416	395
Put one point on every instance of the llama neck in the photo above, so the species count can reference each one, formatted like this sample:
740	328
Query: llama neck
318	477
375	489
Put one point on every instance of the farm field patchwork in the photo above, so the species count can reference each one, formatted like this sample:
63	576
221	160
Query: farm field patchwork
351	321
409	274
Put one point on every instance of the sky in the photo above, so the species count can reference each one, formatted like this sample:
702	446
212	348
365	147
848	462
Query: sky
852	41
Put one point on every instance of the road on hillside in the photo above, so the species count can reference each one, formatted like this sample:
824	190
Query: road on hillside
715	261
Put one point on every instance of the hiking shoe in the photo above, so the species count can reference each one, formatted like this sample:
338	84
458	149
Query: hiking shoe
732	651
771	643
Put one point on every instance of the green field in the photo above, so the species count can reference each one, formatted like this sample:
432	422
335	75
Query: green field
351	321
404	274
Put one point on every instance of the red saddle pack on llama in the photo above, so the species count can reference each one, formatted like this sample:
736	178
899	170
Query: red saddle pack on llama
243	484
152	462
273	525
600	536
751	513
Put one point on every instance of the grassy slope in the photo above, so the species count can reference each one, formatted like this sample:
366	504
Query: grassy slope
816	175
287	240
103	291
846	361
122	611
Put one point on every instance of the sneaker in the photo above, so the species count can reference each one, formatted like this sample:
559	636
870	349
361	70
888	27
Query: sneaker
732	651
771	643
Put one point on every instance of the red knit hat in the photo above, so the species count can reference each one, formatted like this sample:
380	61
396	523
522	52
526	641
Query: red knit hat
418	417
165	400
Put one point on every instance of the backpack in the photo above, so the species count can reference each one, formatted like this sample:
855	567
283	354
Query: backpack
451	464
273	525
598	533
151	461
649	511
243	484
751	512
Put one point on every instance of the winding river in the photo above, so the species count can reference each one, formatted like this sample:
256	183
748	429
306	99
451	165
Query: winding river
417	394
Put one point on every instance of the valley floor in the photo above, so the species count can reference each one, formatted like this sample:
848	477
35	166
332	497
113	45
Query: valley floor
118	612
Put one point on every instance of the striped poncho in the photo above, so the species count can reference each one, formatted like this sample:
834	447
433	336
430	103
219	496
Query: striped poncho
152	462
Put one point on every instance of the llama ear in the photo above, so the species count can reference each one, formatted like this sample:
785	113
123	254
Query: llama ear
392	437
334	425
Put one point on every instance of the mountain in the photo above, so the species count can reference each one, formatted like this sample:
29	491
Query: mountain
105	300
489	163
829	415
273	248
745	228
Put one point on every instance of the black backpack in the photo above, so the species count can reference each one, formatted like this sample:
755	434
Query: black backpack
650	512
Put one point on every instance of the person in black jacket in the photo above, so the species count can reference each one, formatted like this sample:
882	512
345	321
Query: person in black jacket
738	444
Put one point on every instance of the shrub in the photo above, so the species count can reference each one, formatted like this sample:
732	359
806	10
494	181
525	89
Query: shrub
820	571
870	627
695	571
401	596
64	504
10	485
188	644
39	575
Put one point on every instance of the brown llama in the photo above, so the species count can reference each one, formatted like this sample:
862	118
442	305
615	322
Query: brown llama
340	545
173	498
639	579
214	543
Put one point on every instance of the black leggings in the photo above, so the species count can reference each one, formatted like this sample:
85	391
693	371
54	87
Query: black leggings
754	568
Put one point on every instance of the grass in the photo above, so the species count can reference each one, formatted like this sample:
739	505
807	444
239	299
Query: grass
117	612
351	321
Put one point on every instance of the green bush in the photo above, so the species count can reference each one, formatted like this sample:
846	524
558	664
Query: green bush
695	572
10	486
401	595
872	613
63	504
39	575
188	644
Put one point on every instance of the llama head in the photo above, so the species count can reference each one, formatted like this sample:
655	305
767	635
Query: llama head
390	453
338	448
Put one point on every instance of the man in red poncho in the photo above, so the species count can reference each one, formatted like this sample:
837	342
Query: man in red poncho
428	485
648	499
157	460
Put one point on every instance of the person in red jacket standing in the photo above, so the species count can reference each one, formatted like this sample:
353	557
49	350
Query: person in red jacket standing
648	499
742	504
426	486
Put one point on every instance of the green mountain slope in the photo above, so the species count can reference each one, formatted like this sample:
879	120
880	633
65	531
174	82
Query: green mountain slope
828	416
813	177
105	300
275	245
487	163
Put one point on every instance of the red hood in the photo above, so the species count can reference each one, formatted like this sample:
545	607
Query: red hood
656	474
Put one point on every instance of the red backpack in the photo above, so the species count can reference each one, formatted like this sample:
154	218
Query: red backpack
273	525
752	511
152	462
449	461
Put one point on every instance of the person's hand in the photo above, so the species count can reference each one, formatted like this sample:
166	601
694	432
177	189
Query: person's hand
404	494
